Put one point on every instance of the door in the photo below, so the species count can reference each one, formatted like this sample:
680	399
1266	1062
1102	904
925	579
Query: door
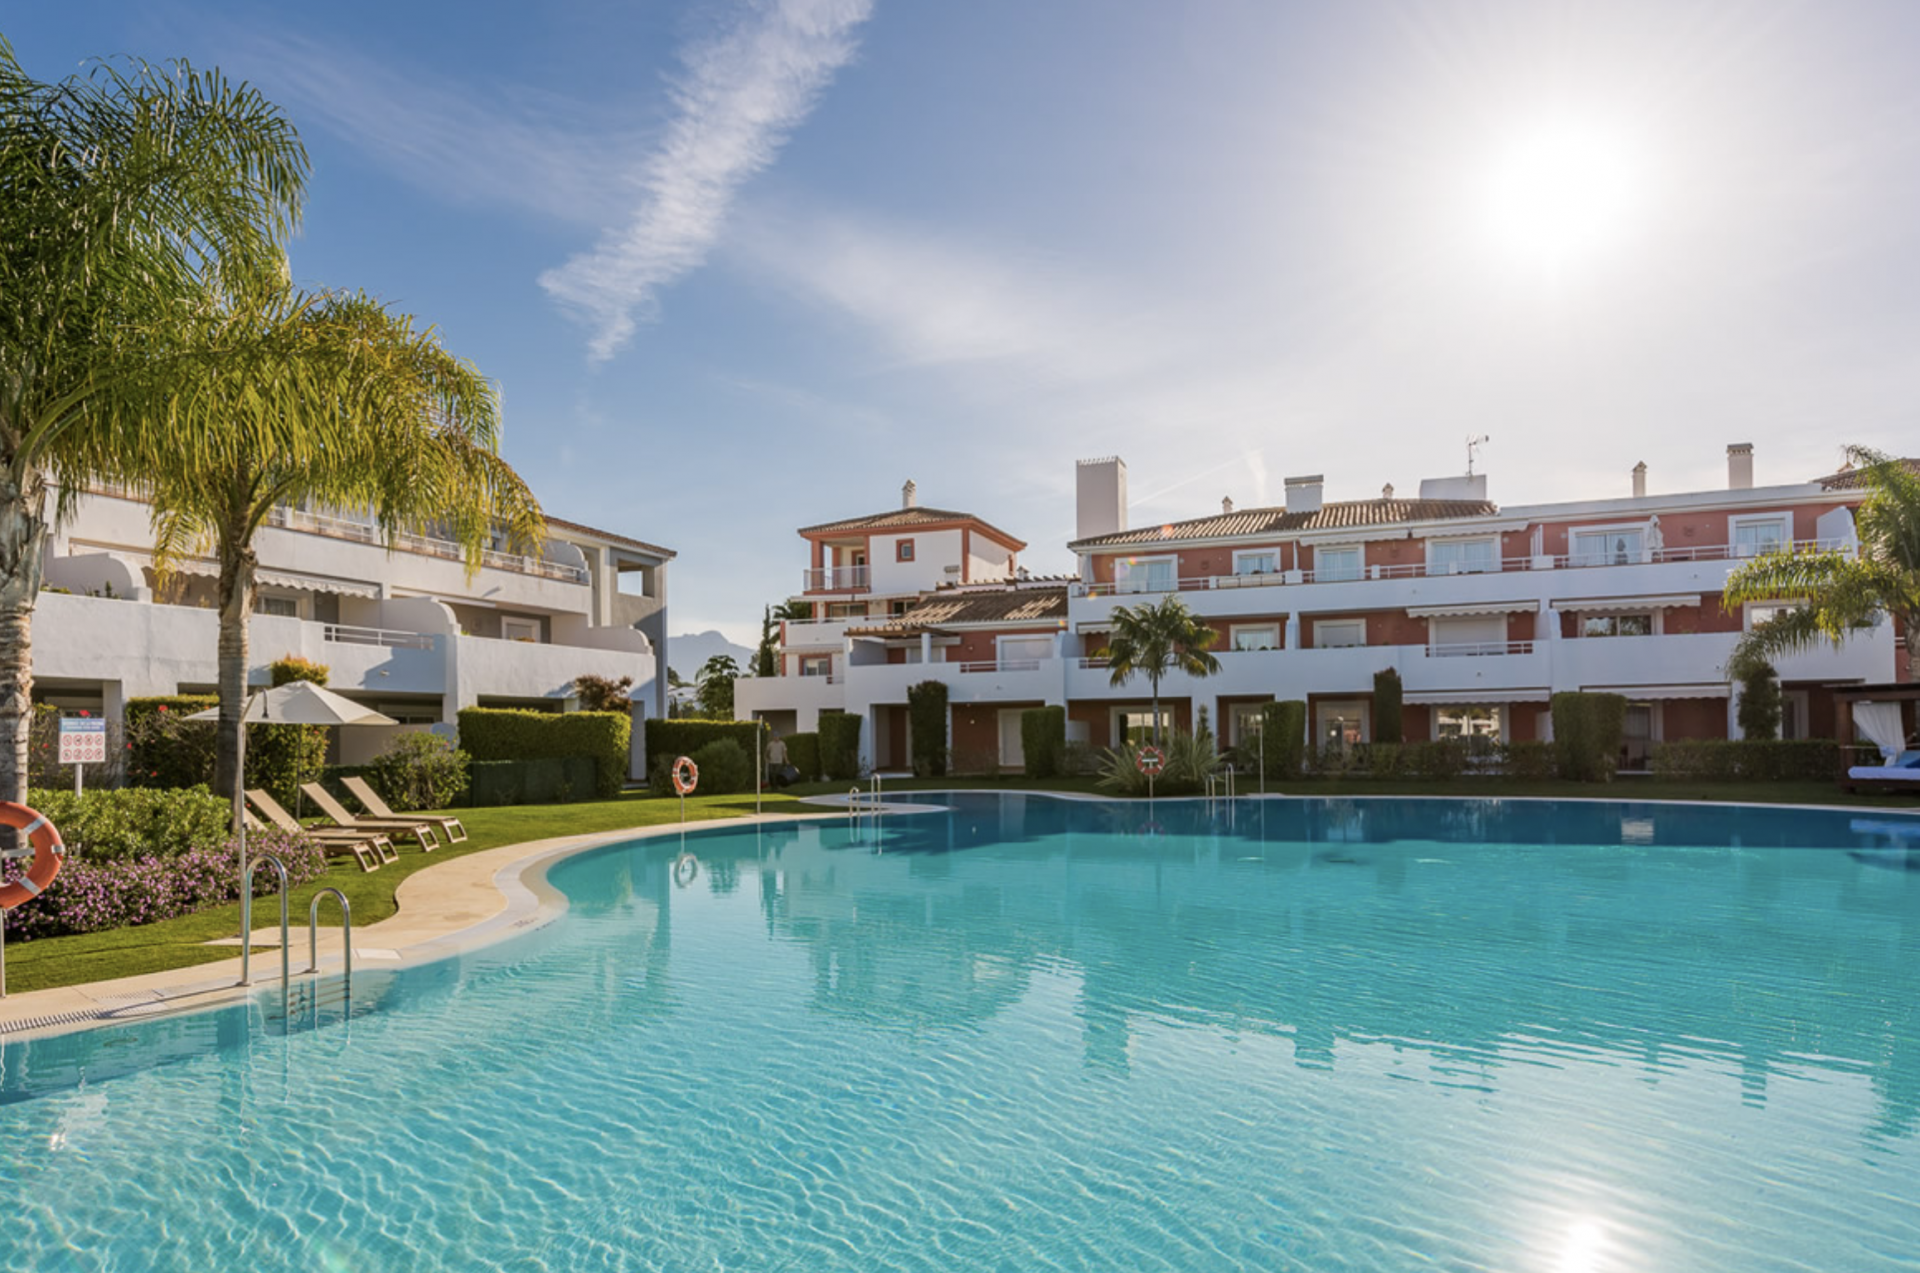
1023	654
1013	751
1637	745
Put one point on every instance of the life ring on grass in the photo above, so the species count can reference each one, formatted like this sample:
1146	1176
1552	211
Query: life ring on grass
686	776
686	868
47	856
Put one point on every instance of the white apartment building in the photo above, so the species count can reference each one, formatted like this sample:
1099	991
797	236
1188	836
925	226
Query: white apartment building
1483	610
406	631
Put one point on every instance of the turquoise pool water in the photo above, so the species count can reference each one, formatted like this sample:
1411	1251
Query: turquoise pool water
1029	1034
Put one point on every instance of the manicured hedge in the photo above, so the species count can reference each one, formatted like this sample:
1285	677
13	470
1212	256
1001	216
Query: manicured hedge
1388	723
1432	761
1587	731
803	753
544	780
676	738
927	727
1746	760
1043	739
1531	761
1283	725
491	733
840	745
132	822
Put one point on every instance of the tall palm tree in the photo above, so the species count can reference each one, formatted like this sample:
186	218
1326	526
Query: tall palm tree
120	191
1840	593
1154	639
396	426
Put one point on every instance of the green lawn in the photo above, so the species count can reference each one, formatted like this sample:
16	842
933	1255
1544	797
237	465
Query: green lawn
62	961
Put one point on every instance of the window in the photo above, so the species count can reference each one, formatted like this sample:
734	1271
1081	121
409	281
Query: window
513	629
1265	561
903	550
1333	565
1759	612
816	665
1150	574
1256	636
1340	725
1606	625
1135	724
1752	536
284	607
1616	547
899	606
1023	653
1461	557
1480	726
1331	634
1243	722
846	609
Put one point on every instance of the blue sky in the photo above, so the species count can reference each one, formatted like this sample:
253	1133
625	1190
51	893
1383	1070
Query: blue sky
742	266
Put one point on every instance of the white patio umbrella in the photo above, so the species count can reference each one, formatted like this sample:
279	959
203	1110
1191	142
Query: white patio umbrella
296	703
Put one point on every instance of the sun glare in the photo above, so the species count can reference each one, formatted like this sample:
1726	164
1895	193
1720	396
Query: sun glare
1561	193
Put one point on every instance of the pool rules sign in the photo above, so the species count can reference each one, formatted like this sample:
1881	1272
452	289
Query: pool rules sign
83	741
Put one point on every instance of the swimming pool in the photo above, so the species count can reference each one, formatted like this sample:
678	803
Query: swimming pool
1031	1033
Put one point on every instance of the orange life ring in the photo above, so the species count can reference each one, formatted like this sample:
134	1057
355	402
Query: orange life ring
686	776
46	854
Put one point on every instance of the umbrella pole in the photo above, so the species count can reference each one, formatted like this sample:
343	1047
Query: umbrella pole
240	825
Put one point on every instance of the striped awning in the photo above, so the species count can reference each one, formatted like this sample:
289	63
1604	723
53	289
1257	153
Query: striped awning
1473	609
288	579
1625	605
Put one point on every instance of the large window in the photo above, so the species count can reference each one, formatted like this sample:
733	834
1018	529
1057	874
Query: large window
1753	536
1135	724
1340	725
1606	625
816	665
1759	612
1332	565
1243	722
1256	636
1331	634
1619	546
1462	556
1479	726
284	607
1264	561
1149	574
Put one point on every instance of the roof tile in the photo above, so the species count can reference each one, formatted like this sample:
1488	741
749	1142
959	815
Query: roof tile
1338	515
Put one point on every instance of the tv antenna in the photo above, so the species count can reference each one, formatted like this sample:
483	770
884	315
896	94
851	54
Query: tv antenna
1473	449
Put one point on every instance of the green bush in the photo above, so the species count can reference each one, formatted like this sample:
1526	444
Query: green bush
1529	762
1438	761
546	780
281	757
289	668
682	737
164	748
1188	762
927	727
132	822
840	745
1043	740
491	733
1587	733
1746	760
1387	720
724	768
803	753
1283	726
419	771
1760	703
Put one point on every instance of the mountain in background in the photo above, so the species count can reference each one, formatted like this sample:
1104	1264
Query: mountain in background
686	654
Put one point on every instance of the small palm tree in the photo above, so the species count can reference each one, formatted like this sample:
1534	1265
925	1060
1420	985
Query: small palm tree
1152	639
1839	593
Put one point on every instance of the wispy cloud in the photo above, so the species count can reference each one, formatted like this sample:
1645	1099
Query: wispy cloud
742	95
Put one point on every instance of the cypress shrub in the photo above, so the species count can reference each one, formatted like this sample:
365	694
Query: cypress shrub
1759	709
927	727
803	753
840	745
1043	738
1284	727
281	757
491	733
1587	733
1387	721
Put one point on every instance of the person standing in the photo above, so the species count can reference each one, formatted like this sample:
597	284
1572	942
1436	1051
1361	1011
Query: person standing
776	762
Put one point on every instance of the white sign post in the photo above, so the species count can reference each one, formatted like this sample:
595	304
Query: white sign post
83	742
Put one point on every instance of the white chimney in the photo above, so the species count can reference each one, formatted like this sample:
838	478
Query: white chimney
1226	504
1303	493
1473	486
1386	492
1640	480
1740	466
910	495
1100	497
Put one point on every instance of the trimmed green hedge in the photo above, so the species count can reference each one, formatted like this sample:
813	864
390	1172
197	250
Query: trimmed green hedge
723	766
1587	732
803	753
1388	723
1746	760
1532	762
1434	761
1043	739
1283	725
493	734
840	745
927	728
100	824
679	737
545	780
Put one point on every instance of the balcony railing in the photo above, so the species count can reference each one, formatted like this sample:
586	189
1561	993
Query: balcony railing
388	638
1000	665
423	545
1478	649
834	579
1422	570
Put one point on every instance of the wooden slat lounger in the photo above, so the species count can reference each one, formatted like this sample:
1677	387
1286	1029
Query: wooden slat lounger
370	801
419	828
370	849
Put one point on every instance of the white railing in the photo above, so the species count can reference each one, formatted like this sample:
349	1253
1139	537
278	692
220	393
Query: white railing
388	638
834	579
1000	665
1478	649
423	545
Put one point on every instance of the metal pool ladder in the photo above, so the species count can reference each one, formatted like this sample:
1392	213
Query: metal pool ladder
346	936
246	923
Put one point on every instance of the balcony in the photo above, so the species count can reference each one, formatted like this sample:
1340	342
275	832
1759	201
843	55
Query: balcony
817	634
835	579
331	527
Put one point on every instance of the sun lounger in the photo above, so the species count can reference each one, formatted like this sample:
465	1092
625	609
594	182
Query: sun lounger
370	801
419	828
371	850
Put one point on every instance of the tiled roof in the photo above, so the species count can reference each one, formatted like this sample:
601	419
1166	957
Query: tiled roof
895	518
575	527
1000	605
1337	515
1850	479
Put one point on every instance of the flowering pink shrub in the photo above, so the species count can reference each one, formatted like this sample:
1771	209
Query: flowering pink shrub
90	895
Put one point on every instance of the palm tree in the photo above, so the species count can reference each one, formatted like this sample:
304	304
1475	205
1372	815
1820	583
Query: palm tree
1839	593
394	426
122	191
1155	639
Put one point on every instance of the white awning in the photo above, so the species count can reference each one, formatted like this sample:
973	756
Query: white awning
1441	698
1711	690
1625	605
284	579
1467	610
